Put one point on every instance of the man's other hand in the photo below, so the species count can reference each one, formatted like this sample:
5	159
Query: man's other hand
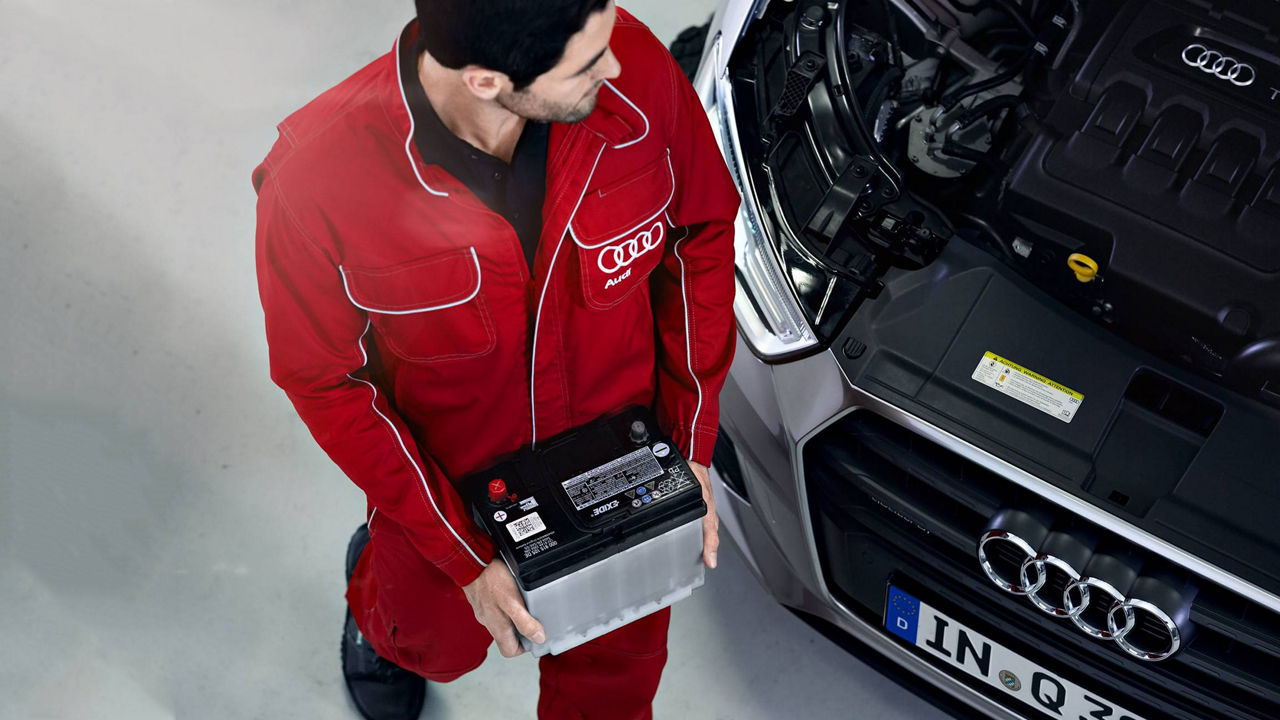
498	606
710	521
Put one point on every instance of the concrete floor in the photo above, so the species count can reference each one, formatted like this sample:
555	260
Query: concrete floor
171	538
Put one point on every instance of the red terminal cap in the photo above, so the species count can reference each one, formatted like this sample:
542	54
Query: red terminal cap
497	490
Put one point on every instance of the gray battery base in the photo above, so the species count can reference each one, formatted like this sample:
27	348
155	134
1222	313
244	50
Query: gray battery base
627	586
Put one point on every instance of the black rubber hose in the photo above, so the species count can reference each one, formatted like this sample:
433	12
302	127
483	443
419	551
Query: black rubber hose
836	35
955	149
987	107
1019	18
934	92
893	32
1005	47
1010	8
1076	22
879	94
951	99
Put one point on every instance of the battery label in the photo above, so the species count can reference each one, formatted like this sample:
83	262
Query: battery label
533	547
1028	387
522	528
612	478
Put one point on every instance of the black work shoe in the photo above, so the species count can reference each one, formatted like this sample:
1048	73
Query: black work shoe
380	689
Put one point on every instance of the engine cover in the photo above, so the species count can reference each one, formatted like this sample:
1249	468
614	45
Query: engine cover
1161	164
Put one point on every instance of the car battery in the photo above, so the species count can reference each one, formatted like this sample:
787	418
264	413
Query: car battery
599	525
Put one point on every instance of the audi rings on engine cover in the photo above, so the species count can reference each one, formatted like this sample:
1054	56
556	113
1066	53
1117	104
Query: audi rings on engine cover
1219	64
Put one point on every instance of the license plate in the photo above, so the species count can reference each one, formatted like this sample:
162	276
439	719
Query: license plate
959	646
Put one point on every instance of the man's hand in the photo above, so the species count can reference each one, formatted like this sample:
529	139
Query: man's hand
499	607
710	521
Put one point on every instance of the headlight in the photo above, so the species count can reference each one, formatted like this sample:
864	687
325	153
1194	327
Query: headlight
825	213
767	311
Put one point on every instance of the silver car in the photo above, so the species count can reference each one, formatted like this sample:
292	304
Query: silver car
1006	401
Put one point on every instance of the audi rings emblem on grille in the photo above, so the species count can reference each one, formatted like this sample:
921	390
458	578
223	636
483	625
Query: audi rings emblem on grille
1219	65
615	257
1079	593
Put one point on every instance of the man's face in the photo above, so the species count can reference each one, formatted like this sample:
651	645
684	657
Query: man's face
567	92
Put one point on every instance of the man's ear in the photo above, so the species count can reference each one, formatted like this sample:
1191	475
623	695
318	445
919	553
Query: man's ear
484	83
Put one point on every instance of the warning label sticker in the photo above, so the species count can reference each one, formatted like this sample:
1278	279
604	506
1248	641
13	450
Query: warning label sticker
522	528
1028	387
613	477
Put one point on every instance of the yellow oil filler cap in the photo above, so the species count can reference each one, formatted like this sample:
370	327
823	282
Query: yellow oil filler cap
1085	267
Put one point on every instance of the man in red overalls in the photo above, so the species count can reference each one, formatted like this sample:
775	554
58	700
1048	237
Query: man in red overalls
515	222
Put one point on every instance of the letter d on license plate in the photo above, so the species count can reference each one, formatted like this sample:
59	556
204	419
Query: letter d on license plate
960	647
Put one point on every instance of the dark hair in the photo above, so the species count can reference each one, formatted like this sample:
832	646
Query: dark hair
521	38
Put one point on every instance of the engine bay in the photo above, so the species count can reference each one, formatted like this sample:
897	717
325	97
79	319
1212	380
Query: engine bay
1116	155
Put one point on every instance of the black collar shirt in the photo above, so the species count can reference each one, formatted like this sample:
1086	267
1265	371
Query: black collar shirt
515	191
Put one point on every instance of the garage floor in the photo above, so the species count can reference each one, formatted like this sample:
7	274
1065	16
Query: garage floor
172	538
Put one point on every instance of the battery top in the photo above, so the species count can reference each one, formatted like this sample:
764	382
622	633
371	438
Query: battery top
585	495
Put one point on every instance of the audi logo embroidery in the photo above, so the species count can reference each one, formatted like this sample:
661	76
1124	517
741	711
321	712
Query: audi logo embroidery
1076	597
615	257
1219	65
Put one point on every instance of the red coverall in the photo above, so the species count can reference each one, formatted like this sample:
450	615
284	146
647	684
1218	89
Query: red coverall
417	345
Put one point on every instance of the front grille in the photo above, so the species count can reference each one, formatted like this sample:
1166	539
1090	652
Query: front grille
889	505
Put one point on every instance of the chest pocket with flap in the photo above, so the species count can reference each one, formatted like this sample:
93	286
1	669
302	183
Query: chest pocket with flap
427	310
621	231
